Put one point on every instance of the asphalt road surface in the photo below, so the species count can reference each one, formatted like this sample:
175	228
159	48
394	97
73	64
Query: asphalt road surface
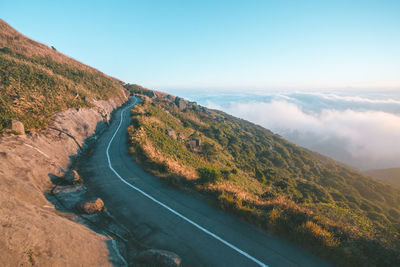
165	218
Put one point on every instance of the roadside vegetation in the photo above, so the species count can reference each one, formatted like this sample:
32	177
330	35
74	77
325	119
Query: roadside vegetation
36	81
301	195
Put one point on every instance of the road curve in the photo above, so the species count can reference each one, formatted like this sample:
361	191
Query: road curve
165	218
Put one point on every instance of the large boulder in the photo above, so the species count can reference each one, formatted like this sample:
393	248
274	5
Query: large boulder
181	103
91	206
156	257
17	127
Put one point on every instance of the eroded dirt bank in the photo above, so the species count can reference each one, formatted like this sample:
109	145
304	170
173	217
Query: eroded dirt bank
32	231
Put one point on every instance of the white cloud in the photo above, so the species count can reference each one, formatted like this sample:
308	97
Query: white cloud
366	140
358	99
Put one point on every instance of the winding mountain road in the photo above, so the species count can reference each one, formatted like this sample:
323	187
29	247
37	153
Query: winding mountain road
165	218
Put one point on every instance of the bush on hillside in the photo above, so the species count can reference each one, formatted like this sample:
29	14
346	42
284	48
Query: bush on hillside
207	174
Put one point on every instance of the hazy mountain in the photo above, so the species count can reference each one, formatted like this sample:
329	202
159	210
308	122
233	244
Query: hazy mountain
391	175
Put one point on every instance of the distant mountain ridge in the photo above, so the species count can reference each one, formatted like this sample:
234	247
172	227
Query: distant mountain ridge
391	175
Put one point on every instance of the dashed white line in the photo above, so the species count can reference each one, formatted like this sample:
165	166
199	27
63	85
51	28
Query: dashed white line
170	209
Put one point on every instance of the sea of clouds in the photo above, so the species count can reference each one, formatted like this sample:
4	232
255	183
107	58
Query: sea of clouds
359	129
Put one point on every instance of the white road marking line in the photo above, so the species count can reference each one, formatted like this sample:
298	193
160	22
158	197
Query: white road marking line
38	150
170	209
116	249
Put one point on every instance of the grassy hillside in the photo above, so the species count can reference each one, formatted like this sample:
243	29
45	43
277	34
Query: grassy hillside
304	196
391	175
37	81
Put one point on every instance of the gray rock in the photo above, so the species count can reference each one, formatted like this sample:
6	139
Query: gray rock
181	103
156	257
17	127
194	143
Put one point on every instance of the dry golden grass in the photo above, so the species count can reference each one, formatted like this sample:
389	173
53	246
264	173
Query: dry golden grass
38	81
182	170
194	118
153	120
236	190
39	67
11	38
318	232
67	82
174	166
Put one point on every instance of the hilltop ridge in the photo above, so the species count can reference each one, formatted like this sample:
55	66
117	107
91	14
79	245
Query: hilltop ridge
258	175
61	103
37	81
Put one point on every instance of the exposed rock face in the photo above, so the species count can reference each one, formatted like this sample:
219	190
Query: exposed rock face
17	127
194	143
156	257
72	177
33	231
181	103
90	207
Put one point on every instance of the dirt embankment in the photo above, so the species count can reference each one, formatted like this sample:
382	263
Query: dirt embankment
32	231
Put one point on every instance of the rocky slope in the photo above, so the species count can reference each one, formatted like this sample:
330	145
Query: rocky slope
60	102
33	232
37	81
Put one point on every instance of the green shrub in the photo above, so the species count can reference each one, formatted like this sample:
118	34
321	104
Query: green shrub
225	174
259	175
208	150
207	174
163	167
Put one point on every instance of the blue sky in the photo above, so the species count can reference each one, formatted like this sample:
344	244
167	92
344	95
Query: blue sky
223	44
